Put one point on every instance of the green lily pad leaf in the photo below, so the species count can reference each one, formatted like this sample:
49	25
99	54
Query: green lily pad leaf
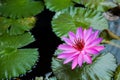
76	1
15	62
52	78
102	68
20	8
99	5
117	73
47	76
41	78
16	26
57	5
15	41
70	20
116	1
113	47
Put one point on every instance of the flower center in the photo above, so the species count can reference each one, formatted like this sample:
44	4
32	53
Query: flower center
79	44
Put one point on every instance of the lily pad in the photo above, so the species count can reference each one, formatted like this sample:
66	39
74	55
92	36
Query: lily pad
70	20
102	68
20	8
16	26
15	60
57	5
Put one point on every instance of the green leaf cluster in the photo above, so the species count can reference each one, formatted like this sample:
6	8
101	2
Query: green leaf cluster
16	20
16	17
99	5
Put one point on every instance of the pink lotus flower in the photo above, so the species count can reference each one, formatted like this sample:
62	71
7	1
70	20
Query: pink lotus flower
80	47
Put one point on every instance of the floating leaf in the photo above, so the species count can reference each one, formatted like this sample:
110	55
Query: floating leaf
15	41
15	62
66	21
52	78
77	1
102	68
57	5
116	1
39	78
47	76
114	47
117	73
16	26
114	26
99	5
20	8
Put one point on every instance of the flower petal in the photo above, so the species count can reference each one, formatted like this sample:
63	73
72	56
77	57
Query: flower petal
80	59
91	51
91	37
95	34
74	62
94	42
72	36
87	59
79	33
65	47
70	51
88	41
68	41
71	57
68	60
64	55
87	33
98	48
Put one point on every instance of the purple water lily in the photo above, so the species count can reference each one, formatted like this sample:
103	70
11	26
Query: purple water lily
80	47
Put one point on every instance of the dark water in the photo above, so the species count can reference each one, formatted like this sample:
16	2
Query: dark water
46	42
